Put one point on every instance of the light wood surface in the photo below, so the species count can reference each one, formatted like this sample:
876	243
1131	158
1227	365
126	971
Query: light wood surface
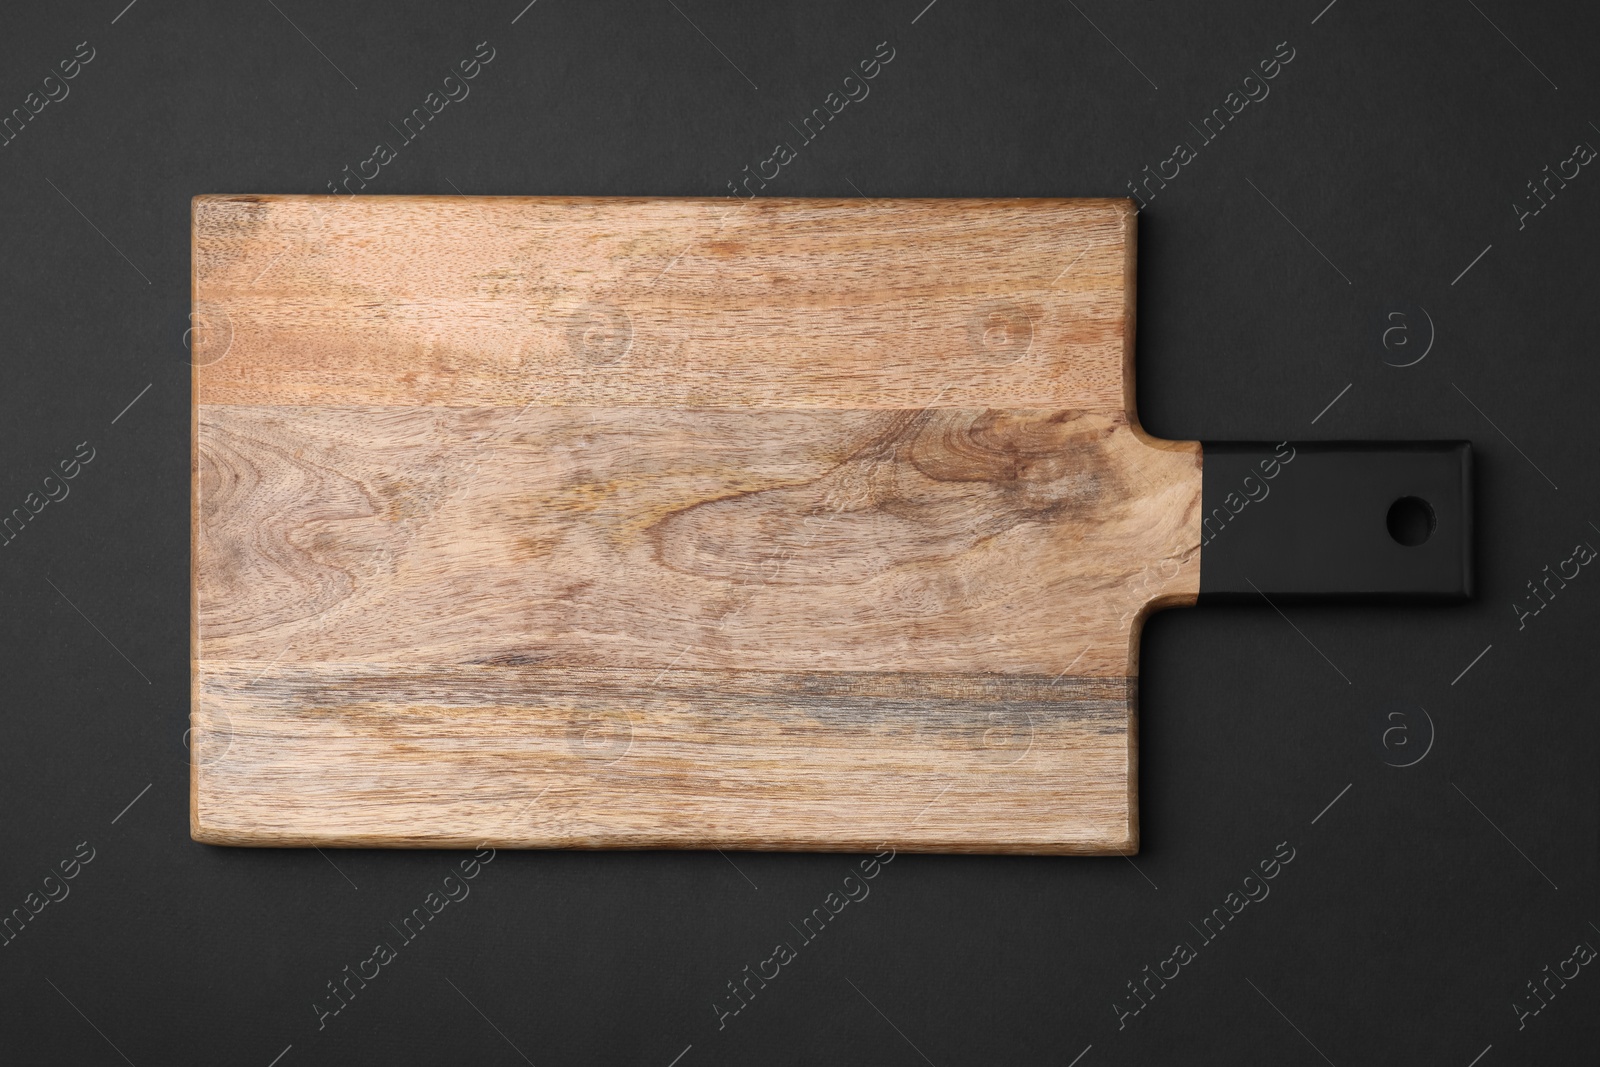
796	524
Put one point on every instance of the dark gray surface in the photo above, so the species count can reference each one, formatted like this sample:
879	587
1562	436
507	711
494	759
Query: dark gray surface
1420	899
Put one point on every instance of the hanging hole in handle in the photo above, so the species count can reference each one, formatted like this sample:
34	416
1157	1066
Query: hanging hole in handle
1411	521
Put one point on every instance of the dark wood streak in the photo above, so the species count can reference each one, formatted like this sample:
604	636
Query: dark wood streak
664	756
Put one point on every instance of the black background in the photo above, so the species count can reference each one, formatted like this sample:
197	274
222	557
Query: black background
1417	906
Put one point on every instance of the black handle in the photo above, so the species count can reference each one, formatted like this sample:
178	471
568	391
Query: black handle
1376	521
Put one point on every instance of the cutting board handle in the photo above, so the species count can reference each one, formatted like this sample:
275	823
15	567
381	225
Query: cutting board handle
1371	521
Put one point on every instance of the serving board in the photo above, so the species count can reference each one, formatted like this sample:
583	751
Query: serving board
673	523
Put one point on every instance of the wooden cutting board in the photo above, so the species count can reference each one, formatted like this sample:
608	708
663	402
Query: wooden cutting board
678	523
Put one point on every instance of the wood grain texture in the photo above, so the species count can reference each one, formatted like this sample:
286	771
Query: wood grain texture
673	523
479	302
609	758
